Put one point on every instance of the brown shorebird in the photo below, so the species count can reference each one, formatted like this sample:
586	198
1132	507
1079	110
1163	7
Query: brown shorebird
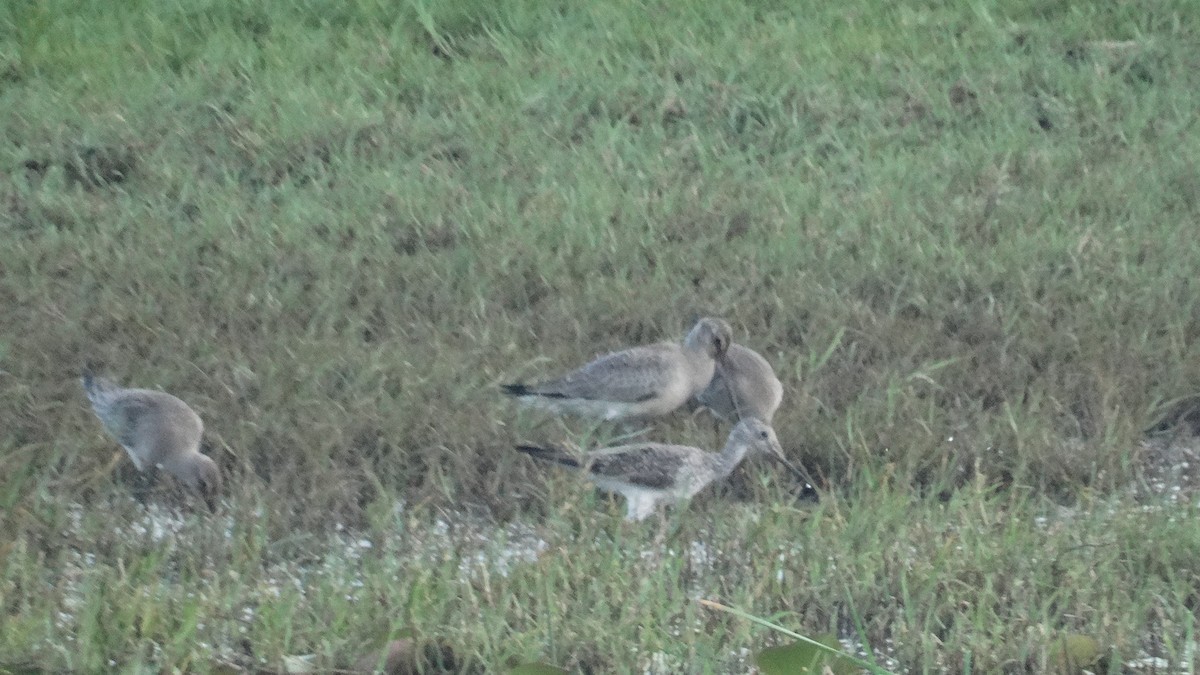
647	474
157	430
636	383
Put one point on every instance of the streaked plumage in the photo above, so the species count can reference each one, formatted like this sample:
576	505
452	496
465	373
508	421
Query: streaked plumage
743	385
647	474
157	430
636	383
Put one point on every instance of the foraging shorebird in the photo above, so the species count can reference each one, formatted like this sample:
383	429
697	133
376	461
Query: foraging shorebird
157	430
636	383
743	385
650	473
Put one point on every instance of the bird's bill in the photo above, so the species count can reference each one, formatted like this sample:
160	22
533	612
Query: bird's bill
791	467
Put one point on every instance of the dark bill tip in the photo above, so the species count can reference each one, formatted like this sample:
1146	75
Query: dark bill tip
798	473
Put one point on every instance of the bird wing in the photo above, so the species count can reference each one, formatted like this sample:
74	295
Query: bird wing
717	396
648	465
126	416
628	376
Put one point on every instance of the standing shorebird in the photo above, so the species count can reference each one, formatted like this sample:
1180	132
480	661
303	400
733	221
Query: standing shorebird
647	474
157	430
743	385
635	383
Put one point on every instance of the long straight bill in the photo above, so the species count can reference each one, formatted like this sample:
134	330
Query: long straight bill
802	475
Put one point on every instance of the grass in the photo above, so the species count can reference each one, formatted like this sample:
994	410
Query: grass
962	233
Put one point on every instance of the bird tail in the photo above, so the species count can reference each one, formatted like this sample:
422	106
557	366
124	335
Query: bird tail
519	390
516	389
549	455
98	389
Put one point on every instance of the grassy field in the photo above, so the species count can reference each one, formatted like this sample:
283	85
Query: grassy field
963	233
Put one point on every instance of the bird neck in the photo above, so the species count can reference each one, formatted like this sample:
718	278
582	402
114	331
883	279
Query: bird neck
728	459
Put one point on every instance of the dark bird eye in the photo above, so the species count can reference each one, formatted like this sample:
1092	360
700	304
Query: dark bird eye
763	434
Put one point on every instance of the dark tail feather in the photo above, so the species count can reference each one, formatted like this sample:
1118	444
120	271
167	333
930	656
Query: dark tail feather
88	377
516	389
526	390
95	387
549	455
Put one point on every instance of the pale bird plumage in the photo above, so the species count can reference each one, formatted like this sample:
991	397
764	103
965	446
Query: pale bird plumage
635	383
156	429
743	385
648	474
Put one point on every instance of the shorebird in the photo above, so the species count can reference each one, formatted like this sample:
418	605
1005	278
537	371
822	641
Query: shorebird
647	474
743	385
635	383
157	430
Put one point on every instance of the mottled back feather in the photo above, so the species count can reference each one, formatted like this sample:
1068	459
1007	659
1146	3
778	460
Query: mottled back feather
632	375
650	465
129	417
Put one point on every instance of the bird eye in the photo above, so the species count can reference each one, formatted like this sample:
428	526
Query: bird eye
763	434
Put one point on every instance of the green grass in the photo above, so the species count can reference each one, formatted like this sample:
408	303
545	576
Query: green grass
334	227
